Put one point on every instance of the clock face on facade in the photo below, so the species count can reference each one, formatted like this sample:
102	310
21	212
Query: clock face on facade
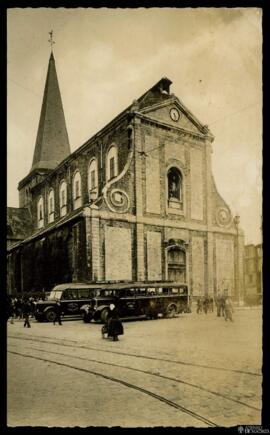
174	114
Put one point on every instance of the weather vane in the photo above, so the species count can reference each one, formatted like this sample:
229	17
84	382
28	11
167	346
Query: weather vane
51	41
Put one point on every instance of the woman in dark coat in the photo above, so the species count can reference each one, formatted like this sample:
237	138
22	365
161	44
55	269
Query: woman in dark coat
115	326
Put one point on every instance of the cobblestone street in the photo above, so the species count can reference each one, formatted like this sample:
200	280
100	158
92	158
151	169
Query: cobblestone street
193	370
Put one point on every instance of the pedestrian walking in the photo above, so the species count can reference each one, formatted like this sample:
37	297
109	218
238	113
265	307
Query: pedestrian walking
222	305
211	304
205	304
9	309
220	301
199	306
58	313
228	309
115	327
26	309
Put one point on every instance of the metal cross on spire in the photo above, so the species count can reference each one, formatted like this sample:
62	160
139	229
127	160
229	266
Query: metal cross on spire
51	41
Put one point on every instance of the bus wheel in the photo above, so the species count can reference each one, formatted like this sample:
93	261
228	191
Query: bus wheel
50	315
104	315
86	318
171	311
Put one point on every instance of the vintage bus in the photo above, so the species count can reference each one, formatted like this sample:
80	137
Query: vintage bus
71	297
138	299
91	301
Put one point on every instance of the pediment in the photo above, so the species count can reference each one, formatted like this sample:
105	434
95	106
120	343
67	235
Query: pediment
172	112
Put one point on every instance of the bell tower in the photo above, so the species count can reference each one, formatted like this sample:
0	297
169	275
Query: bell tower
52	143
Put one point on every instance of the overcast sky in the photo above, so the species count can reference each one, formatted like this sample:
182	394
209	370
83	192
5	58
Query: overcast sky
105	58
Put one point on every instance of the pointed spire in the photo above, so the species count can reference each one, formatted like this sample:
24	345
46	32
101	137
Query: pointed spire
52	144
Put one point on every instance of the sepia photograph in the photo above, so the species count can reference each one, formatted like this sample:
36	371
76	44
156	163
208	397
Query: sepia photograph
134	218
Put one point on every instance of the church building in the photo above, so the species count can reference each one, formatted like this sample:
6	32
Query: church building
136	202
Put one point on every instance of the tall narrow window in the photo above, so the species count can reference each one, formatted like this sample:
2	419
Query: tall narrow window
112	167
112	163
40	212
77	189
93	179
51	206
77	192
63	198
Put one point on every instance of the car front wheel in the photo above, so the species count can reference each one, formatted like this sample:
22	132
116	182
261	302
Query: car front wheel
50	316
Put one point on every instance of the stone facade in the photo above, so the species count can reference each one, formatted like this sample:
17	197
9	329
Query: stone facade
154	213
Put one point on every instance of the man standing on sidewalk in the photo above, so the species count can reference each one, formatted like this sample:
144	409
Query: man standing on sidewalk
58	313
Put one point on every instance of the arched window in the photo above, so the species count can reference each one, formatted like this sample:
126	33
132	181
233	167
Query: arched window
93	179
51	206
40	212
174	184
63	198
77	190
112	163
176	262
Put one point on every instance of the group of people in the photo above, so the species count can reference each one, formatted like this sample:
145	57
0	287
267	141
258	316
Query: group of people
223	304
205	304
20	308
23	308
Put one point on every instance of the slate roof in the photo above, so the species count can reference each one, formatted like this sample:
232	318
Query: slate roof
19	224
52	143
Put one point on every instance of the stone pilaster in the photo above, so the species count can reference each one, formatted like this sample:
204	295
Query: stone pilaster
208	175
138	156
140	252
88	247
210	264
96	272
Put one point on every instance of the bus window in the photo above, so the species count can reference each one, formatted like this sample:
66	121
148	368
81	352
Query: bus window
84	293
71	294
141	291
160	290
165	291
130	292
151	291
120	293
175	291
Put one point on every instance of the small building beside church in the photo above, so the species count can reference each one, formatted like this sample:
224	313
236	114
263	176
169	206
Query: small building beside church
137	201
253	274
